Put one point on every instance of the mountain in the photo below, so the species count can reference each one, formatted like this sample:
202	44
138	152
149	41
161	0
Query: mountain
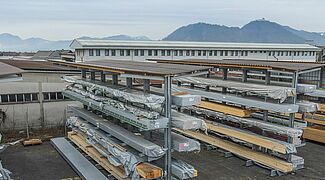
259	31
9	42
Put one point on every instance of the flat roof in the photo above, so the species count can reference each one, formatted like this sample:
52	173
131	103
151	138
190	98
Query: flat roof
36	65
136	67
84	44
249	64
7	70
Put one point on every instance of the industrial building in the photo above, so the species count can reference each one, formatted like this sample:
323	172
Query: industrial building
89	50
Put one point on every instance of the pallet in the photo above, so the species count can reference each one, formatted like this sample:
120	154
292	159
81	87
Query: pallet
228	110
250	138
258	157
315	133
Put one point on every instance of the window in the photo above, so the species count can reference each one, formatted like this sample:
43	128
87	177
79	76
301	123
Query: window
175	53
270	53
142	52
52	96
156	52
27	98
46	96
180	52
287	53
149	52
187	52
242	53
294	53
128	52
91	52
20	98
113	51
236	53
252	52
106	52
162	52
246	53
59	95
168	52
204	53
215	53
34	97
310	53
193	53
264	51
290	53
314	53
121	52
210	53
226	53
136	52
231	53
298	53
261	52
199	53
97	52
221	53
4	98
278	53
282	53
302	53
12	98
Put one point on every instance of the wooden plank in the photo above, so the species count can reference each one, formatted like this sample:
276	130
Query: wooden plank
250	138
149	171
315	121
258	157
30	142
117	172
315	133
226	109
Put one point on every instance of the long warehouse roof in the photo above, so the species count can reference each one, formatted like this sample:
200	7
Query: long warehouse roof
134	67
250	64
84	44
7	70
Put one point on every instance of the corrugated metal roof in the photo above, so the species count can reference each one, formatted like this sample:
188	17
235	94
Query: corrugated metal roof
6	69
78	43
36	65
246	63
134	67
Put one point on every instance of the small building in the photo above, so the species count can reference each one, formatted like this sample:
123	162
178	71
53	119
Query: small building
57	54
89	50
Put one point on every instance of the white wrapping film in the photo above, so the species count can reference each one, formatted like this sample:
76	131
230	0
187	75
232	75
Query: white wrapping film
135	96
274	92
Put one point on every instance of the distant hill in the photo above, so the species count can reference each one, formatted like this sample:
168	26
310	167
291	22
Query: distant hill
9	42
259	31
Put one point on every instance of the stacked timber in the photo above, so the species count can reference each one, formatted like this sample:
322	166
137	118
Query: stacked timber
254	121
316	120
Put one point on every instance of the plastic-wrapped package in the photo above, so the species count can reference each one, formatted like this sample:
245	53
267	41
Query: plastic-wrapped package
305	88
183	170
275	92
307	106
135	96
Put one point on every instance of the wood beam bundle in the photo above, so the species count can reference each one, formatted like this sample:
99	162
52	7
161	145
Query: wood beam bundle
226	109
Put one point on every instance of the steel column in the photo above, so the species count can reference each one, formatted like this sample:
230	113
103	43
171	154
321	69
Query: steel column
167	134
92	75
267	77
146	85
244	77
129	82
102	76
224	77
115	79
83	74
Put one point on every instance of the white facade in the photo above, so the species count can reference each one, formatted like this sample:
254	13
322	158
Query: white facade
89	50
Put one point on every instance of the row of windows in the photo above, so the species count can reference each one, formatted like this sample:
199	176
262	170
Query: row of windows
113	52
31	97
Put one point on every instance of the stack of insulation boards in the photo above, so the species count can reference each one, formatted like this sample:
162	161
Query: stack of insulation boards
231	125
316	120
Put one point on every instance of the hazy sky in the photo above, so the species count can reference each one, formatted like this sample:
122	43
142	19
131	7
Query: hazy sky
66	19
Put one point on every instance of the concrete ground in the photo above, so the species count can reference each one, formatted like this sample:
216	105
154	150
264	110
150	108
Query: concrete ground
43	162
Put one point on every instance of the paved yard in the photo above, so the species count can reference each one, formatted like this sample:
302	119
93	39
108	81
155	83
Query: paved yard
43	162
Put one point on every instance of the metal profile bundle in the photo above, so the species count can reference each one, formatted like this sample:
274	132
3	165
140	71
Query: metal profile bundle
183	170
274	92
306	88
186	122
142	123
142	145
294	134
244	101
135	96
80	164
307	106
317	93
